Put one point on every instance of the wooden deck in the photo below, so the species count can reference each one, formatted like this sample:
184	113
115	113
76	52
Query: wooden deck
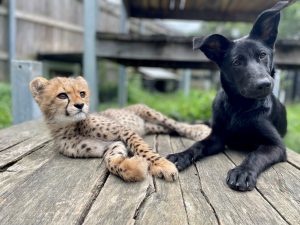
40	186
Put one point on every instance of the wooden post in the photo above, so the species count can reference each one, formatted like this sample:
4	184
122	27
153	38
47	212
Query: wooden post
186	81
89	56
141	27
295	85
276	89
11	32
122	95
24	107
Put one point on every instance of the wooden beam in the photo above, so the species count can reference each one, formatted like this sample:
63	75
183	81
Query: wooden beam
194	14
151	50
168	52
43	20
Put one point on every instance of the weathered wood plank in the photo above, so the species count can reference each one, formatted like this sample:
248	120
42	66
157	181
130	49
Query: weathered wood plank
293	158
18	172
280	185
16	134
197	208
18	151
119	202
59	192
165	205
233	207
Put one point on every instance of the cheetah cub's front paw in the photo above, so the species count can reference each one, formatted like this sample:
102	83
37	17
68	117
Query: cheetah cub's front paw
165	169
133	169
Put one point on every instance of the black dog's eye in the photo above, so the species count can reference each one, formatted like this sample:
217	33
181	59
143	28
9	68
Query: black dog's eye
62	96
236	62
82	94
262	55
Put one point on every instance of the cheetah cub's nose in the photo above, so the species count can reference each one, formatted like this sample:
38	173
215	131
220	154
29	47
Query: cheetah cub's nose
79	106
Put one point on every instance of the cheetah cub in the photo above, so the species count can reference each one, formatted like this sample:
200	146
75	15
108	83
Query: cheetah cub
111	134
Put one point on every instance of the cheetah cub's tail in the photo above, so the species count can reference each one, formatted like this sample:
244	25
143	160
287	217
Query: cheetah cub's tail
129	169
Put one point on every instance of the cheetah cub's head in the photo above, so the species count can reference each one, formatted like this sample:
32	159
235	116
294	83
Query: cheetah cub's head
62	100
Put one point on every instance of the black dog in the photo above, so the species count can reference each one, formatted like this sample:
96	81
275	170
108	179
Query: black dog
246	115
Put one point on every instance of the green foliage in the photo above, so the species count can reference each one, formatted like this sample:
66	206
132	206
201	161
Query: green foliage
289	25
108	92
5	105
292	139
197	106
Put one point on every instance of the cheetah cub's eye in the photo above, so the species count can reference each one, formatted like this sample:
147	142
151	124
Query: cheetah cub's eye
82	94
62	96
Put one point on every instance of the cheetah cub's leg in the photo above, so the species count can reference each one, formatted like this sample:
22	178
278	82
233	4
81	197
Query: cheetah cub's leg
115	156
196	132
129	169
82	147
159	166
151	128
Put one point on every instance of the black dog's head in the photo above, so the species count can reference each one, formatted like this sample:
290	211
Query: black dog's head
246	64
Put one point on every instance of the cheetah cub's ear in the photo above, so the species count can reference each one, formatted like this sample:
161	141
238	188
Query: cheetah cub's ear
37	86
80	78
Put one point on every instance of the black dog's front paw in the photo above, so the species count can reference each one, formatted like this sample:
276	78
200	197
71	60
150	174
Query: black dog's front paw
181	160
241	179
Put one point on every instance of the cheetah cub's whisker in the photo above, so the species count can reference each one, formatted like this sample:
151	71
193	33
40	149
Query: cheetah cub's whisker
110	134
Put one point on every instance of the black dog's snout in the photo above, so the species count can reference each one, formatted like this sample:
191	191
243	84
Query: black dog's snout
263	85
79	106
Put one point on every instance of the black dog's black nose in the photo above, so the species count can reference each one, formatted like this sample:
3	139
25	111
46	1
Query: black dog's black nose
263	85
79	106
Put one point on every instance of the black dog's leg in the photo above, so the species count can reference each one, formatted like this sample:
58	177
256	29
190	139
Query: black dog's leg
244	176
213	144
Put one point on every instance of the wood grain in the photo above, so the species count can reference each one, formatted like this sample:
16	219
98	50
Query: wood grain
18	172
165	205
280	186
233	207
119	202
18	133
293	158
18	151
197	207
59	192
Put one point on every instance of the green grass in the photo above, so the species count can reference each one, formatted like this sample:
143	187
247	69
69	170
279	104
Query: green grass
5	105
292	139
197	106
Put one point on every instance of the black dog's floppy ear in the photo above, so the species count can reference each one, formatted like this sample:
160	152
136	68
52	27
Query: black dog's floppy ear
213	46
265	27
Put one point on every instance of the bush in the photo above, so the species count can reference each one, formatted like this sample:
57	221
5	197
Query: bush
292	139
5	105
197	106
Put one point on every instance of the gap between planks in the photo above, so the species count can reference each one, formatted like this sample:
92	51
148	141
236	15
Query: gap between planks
273	186
200	184
95	192
262	195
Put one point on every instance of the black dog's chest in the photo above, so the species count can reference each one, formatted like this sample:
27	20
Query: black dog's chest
240	125
237	118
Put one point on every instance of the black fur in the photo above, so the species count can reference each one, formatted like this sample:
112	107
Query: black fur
246	115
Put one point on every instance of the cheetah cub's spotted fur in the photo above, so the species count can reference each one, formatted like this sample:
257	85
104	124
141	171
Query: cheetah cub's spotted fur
64	103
